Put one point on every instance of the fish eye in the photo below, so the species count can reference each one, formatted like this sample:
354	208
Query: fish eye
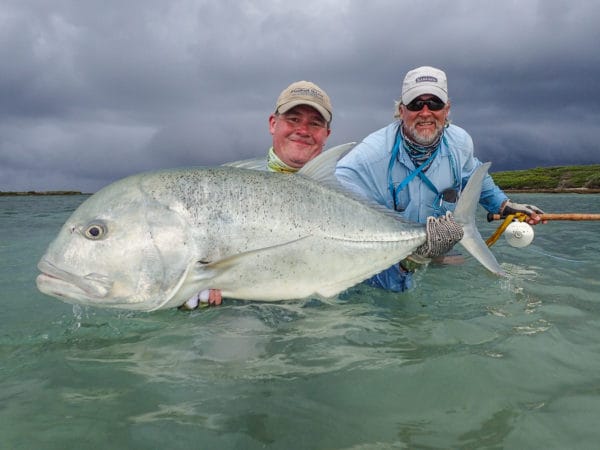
95	231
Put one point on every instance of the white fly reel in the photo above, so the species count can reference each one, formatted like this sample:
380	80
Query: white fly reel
519	234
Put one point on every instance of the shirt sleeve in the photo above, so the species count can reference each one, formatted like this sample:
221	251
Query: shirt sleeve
492	196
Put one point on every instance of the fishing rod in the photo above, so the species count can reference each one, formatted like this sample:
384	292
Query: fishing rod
559	216
519	233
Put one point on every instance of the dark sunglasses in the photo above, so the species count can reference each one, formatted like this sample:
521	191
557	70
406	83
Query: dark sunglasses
434	104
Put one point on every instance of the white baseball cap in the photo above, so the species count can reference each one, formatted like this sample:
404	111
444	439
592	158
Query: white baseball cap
424	80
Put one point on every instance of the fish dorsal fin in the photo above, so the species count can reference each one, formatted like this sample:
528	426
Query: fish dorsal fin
322	168
252	164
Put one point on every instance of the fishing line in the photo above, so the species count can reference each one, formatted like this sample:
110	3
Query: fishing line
560	258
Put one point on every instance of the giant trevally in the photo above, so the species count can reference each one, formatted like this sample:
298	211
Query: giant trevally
152	240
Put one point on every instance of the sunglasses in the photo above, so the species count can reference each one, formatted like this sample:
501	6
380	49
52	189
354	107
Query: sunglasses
434	104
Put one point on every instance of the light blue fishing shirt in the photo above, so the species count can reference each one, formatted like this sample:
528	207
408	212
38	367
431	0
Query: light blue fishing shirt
365	171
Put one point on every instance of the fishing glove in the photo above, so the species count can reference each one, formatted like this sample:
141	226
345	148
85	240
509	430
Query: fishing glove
442	234
513	208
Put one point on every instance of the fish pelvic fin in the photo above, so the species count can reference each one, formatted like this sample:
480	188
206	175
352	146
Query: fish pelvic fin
464	214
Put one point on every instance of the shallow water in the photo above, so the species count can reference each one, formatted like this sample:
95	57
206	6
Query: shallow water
465	360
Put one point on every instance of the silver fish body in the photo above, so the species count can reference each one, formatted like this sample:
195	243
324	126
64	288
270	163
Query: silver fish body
152	240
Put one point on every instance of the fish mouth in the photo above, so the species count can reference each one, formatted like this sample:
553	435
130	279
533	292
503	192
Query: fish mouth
84	289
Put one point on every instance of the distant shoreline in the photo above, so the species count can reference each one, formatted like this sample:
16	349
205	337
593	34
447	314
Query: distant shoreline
540	180
26	193
553	191
508	191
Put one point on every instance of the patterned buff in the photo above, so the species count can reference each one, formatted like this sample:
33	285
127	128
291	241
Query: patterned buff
274	164
419	153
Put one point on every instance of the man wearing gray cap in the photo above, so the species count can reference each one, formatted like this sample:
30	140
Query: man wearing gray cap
419	164
300	126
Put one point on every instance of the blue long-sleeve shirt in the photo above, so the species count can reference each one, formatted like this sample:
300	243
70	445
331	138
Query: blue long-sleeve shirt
365	171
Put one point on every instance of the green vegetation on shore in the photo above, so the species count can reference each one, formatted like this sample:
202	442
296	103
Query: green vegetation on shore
581	179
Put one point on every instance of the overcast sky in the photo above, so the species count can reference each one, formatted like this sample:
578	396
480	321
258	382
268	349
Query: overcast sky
91	91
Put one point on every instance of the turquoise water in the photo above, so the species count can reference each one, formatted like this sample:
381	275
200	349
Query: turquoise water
463	361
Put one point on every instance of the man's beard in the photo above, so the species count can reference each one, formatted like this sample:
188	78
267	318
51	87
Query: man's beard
424	139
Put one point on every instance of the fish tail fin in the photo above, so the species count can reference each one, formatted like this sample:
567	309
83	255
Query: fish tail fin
464	214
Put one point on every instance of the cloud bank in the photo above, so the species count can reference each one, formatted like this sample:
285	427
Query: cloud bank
94	91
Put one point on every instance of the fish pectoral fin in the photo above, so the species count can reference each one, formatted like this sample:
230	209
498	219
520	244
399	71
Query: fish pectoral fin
204	270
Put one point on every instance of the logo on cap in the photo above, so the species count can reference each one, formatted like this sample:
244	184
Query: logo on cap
426	79
307	91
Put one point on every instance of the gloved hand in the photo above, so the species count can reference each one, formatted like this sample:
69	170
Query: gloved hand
532	211
442	234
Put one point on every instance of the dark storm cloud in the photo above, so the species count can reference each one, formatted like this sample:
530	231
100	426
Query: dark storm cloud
93	91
